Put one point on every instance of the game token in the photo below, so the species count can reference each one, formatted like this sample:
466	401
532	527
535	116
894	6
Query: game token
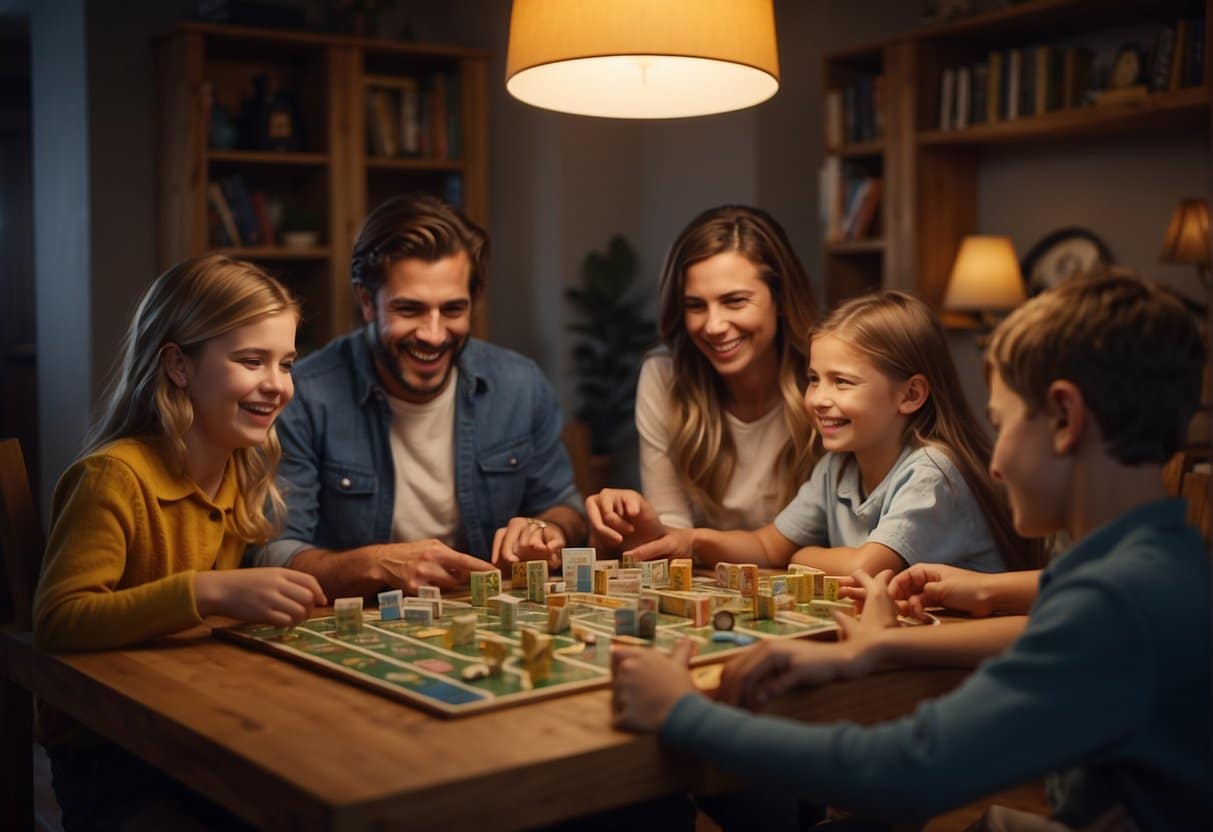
475	671
722	636
723	620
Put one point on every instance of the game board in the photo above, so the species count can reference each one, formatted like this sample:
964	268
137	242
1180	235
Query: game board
410	662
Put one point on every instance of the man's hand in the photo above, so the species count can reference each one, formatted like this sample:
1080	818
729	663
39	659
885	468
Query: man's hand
528	538
645	684
938	585
268	595
771	668
675	543
620	516
425	563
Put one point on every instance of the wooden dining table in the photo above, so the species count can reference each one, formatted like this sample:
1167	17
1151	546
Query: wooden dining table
284	747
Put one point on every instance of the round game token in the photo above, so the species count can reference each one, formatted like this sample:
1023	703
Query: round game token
723	620
475	671
722	636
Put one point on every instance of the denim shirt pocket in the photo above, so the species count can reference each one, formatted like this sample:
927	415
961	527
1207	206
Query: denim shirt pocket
503	467
349	504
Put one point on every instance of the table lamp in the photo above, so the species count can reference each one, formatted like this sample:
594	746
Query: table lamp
1187	239
985	280
642	58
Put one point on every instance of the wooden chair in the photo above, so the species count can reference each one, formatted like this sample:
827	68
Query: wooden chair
1173	472
21	545
1200	509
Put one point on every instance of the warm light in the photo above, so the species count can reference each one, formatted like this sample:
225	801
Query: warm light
642	58
1187	239
985	276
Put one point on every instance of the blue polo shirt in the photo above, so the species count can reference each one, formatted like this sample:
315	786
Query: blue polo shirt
337	473
1108	686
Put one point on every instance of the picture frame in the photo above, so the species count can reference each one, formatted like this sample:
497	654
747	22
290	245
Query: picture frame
1062	254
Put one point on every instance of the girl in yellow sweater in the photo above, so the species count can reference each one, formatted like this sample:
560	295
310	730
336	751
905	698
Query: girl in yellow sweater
149	525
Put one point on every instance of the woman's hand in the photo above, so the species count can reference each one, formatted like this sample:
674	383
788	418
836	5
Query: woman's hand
620	516
675	543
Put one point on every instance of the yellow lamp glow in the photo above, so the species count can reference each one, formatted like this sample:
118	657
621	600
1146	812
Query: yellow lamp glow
642	58
1187	239
985	276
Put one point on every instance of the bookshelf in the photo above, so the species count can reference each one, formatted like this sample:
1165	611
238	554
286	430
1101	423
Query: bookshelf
930	171
311	159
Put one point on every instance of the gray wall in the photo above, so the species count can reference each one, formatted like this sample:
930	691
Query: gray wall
560	185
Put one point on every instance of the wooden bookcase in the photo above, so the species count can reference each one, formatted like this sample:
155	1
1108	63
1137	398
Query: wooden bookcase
330	173
929	200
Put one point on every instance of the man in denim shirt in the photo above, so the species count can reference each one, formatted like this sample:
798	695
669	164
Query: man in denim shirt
408	443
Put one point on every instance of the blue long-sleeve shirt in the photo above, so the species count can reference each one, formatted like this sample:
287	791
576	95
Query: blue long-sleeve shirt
1109	686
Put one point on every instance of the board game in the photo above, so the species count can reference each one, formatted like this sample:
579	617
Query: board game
417	663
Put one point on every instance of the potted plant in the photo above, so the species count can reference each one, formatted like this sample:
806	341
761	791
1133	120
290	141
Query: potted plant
614	334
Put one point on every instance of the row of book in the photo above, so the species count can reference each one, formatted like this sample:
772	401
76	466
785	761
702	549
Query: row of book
850	200
414	117
855	113
237	216
1034	80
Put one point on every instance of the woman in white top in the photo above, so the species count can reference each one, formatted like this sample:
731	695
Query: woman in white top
724	437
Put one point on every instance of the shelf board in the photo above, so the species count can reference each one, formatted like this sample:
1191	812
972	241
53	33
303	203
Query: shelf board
849	151
870	246
276	252
1058	17
1161	110
383	163
267	157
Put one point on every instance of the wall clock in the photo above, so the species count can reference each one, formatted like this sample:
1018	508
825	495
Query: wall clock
1062	254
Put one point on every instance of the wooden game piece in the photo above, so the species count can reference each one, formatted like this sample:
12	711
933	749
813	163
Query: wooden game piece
778	584
536	577
434	605
391	605
824	609
646	617
507	610
602	581
518	575
764	605
430	632
553	586
572	560
701	609
723	620
347	615
418	614
654	572
461	631
680	574
558	619
747	579
610	564
559	599
722	575
474	671
830	585
536	654
626	623
623	586
627	561
494	654
484	586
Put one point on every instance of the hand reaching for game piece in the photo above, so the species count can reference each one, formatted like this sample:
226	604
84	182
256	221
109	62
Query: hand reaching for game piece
268	595
425	563
620	516
528	538
645	684
675	543
939	585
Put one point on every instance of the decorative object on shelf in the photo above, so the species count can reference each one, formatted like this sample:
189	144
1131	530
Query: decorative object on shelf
300	226
640	59
1061	254
221	131
985	279
1187	239
1127	67
614	334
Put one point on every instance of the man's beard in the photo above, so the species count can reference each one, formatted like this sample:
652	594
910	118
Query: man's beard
390	362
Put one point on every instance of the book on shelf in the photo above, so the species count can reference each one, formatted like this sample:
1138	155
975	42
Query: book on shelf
1027	83
1160	59
1175	77
994	88
1075	75
1194	54
438	118
835	136
964	85
241	206
1014	76
855	113
410	119
849	199
863	214
223	227
383	122
947	93
264	227
978	108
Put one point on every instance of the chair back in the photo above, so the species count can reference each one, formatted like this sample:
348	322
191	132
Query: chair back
21	537
1200	508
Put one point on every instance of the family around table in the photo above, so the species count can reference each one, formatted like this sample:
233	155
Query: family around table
409	454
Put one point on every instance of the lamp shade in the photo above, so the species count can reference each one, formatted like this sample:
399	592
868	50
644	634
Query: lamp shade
642	58
985	276
1187	239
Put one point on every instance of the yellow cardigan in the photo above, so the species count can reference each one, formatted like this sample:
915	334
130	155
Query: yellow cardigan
127	535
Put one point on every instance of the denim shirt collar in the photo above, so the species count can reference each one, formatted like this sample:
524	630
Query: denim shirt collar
473	372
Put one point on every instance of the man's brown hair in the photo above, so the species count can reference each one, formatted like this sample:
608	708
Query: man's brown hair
1132	348
417	225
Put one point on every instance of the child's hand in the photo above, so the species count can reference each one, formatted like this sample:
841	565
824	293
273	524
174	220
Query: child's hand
675	543
645	684
939	585
268	595
771	668
877	609
618	514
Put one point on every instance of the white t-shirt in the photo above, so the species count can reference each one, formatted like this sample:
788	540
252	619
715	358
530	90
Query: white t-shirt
751	498
923	510
423	455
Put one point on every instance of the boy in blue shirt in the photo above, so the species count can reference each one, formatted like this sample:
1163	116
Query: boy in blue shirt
1091	389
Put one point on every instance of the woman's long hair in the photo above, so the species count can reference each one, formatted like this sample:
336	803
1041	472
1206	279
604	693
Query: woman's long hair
701	449
900	336
188	305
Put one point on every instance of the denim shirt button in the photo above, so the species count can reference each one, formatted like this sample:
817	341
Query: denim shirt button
345	483
513	462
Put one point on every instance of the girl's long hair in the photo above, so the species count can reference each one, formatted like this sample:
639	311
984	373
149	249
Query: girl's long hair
701	448
900	336
188	305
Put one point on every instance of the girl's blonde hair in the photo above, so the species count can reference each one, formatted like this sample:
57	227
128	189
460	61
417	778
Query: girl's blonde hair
701	449
900	336
188	305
